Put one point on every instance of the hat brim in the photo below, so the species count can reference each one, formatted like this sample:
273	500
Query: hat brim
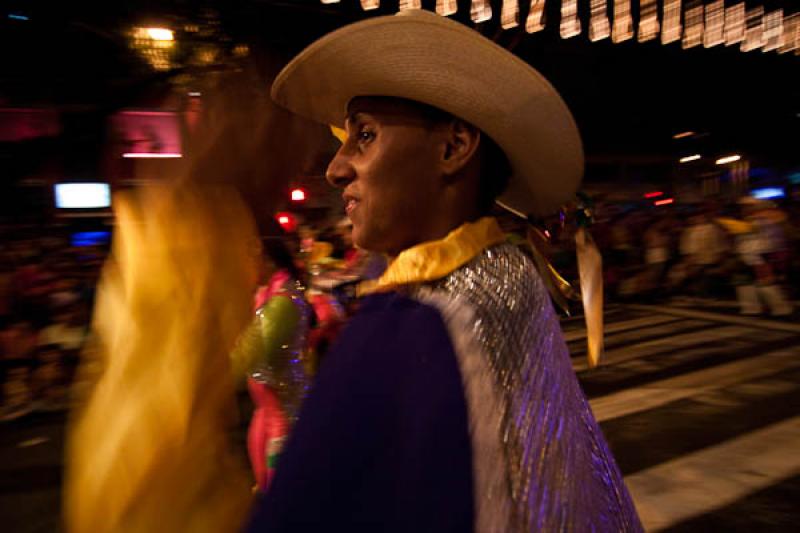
436	61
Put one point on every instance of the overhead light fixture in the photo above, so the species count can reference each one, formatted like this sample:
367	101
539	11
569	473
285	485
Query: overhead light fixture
480	11
714	24
728	159
648	20
410	4
683	135
690	158
734	24
445	8
155	45
535	20
671	25
570	24
622	29
509	14
693	24
753	30
160	34
599	26
791	36
773	30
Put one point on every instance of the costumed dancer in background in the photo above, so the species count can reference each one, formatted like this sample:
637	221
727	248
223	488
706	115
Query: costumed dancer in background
449	402
273	353
760	242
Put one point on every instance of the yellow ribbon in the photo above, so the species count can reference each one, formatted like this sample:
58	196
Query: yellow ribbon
590	269
559	288
435	259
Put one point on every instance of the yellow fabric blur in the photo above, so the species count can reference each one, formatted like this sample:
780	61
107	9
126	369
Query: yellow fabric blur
435	259
320	250
590	270
149	449
737	227
560	290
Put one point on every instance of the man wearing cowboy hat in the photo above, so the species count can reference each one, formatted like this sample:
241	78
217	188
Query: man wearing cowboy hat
449	402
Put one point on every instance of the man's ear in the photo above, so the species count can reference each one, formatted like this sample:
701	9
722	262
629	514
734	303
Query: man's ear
461	144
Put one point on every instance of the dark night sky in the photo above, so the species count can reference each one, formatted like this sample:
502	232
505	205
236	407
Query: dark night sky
628	98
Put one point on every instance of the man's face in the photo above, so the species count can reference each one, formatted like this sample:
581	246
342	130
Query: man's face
389	170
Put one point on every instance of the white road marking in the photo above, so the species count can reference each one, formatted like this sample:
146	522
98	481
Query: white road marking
714	477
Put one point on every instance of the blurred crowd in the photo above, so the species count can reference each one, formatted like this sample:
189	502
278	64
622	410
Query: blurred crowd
746	252
47	292
47	289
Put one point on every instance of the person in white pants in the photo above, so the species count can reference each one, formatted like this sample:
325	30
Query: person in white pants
752	248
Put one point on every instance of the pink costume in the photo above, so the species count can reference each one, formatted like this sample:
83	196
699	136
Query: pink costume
277	380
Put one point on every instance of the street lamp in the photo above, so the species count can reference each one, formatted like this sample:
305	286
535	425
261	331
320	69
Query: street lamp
728	159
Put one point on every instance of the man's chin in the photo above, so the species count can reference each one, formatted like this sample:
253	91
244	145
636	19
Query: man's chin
360	242
363	240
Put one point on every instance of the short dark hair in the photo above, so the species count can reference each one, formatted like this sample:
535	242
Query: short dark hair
495	167
495	173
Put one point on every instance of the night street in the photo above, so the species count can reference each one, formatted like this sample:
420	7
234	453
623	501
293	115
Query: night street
700	406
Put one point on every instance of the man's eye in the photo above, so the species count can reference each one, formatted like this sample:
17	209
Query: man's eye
365	136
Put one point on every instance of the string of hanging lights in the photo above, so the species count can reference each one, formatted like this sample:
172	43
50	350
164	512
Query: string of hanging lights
649	25
599	26
535	20
691	22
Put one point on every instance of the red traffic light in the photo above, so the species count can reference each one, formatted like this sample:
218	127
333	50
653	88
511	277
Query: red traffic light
298	195
287	221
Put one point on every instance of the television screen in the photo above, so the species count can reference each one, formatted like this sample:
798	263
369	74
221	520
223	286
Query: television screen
82	195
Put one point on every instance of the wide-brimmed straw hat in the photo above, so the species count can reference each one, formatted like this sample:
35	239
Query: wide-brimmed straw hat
420	56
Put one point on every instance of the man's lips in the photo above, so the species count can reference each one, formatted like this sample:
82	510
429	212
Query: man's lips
350	203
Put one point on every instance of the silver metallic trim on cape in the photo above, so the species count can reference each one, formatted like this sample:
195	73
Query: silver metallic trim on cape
540	460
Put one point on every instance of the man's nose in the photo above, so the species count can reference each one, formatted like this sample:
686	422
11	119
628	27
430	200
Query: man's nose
340	172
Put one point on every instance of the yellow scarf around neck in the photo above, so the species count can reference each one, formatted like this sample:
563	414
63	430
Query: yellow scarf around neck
433	260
